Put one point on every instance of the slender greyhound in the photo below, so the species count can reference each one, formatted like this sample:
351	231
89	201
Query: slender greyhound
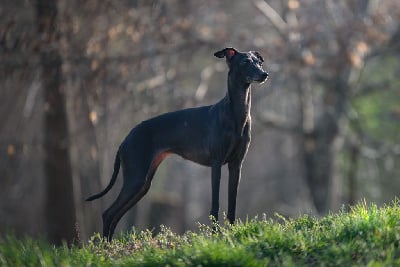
211	135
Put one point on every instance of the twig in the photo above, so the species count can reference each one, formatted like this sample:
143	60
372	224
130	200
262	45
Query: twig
273	16
277	122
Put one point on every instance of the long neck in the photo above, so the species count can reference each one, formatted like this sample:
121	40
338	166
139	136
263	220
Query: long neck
239	100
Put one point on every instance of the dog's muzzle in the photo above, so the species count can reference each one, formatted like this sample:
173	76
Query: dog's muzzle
263	77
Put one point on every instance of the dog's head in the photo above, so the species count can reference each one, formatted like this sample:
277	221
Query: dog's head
244	65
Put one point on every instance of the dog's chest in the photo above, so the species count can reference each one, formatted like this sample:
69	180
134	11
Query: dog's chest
238	143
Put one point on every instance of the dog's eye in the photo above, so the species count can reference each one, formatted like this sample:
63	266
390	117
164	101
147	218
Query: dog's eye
244	62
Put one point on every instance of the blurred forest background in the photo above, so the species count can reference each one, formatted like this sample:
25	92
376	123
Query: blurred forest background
76	76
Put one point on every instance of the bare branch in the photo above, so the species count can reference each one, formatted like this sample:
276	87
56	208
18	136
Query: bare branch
206	75
275	121
156	81
33	91
380	152
273	16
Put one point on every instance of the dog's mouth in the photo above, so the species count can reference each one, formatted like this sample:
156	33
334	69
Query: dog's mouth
262	78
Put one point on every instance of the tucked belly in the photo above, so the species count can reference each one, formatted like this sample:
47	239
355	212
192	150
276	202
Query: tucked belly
222	151
199	155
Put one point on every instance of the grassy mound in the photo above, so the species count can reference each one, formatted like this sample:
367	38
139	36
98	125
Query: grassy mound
365	236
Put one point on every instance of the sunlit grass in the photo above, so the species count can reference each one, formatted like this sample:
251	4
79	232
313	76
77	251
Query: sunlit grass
364	236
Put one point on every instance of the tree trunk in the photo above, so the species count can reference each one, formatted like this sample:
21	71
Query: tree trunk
84	159
352	174
318	144
59	210
318	158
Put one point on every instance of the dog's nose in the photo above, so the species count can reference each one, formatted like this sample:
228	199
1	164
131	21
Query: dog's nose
265	75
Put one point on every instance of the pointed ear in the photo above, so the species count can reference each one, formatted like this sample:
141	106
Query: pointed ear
228	52
258	56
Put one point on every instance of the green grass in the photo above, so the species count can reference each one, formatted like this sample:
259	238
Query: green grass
364	236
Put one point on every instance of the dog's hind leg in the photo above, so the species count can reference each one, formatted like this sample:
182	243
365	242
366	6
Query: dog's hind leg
112	215
136	185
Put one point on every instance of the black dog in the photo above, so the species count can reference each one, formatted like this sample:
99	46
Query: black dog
210	135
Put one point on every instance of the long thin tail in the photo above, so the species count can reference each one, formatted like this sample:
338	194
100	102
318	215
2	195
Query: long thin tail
112	182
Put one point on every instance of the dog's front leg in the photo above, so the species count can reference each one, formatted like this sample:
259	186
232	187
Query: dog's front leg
215	182
234	177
